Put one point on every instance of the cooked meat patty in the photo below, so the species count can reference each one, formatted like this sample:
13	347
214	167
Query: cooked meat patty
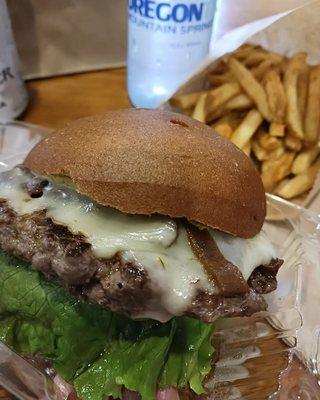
111	283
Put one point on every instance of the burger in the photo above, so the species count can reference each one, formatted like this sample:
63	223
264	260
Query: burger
124	236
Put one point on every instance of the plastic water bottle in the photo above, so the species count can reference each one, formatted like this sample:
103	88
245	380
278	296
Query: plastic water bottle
13	94
167	40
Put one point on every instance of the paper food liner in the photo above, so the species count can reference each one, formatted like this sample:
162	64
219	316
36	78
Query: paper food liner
284	27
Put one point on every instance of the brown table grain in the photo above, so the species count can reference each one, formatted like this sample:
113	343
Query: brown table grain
55	101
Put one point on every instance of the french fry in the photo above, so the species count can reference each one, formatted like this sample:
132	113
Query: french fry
284	165
199	112
223	129
305	159
281	185
277	130
247	128
185	101
299	184
277	170
260	153
266	164
247	149
268	182
271	157
276	153
243	51
251	86
260	71
220	95
220	79
291	74
312	117
267	142
233	119
220	67
259	56
276	95
303	84
293	143
241	102
283	66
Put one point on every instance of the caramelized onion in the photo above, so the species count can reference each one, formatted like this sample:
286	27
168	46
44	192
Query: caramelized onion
167	394
221	272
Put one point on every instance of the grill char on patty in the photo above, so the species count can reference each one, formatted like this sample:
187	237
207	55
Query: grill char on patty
112	283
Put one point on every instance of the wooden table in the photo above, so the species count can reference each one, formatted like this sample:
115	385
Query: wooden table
56	101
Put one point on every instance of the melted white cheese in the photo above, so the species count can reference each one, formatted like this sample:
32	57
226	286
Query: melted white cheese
154	243
177	268
246	254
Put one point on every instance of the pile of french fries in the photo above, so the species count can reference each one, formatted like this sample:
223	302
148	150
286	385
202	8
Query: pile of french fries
269	106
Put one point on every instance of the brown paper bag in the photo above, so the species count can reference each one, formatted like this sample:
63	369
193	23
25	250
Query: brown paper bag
57	37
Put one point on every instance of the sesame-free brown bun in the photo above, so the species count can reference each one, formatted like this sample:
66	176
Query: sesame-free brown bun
151	161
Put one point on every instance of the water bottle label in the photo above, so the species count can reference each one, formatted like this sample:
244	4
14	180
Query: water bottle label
13	94
170	17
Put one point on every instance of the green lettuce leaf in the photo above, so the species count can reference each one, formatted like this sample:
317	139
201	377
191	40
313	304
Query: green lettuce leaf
190	355
98	351
133	359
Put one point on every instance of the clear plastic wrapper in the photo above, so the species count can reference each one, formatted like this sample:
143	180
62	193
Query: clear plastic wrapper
270	355
276	354
16	140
